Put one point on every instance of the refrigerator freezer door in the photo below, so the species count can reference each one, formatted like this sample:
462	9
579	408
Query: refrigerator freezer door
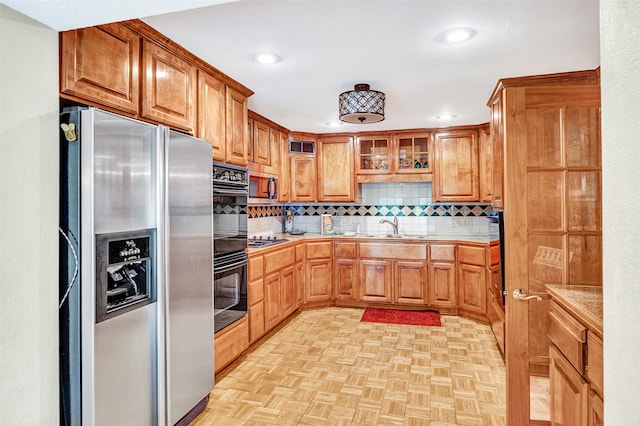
189	230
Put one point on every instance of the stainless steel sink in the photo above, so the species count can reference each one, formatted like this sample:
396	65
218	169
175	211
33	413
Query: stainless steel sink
399	236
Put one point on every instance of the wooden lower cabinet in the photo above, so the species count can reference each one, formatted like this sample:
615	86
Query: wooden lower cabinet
410	280
471	288
442	285
318	281
568	390
273	300
289	291
345	281
375	280
595	405
229	343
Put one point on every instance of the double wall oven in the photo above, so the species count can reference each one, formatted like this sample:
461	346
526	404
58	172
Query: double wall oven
230	196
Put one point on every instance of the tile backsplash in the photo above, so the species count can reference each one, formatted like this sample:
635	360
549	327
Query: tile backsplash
411	203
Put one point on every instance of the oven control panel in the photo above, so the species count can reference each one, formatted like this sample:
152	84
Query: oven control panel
228	174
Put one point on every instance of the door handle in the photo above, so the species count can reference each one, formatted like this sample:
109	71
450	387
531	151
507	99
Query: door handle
520	294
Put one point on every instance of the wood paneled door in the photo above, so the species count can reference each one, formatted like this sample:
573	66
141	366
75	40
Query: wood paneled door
552	217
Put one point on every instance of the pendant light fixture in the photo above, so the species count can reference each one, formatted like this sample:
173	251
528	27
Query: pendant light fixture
361	105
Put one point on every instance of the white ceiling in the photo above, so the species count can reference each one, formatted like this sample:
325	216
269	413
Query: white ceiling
327	46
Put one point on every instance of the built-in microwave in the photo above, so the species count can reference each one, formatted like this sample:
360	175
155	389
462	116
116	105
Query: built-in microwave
262	188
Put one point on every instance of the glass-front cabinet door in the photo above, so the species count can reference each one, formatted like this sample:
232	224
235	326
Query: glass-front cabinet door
374	155
413	153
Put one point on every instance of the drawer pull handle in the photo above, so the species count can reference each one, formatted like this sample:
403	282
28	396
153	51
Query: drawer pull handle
520	294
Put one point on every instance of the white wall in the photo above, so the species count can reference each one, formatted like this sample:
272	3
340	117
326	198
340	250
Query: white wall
28	221
620	66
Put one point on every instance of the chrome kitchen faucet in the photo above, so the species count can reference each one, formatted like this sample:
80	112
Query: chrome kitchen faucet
394	224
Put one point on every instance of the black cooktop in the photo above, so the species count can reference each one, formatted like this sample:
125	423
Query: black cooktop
264	241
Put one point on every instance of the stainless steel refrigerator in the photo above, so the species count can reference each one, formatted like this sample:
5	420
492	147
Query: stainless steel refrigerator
136	272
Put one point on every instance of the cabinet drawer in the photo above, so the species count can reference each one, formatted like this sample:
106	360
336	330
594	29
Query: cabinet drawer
230	342
255	292
443	253
494	255
255	267
594	362
568	335
393	251
471	255
278	260
320	250
299	252
347	250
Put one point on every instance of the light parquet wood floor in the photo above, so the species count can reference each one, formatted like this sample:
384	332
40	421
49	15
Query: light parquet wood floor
325	367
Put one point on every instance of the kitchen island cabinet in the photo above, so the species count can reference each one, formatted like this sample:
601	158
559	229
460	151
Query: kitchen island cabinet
575	352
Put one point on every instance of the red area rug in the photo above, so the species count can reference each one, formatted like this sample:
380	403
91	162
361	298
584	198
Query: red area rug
395	316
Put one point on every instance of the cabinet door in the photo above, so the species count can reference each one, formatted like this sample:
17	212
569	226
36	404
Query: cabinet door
497	154
237	128
345	279
595	416
335	169
101	64
412	154
256	321
456	167
299	277
471	286
568	392
289	292
442	285
212	113
169	88
261	143
374	155
303	178
485	164
272	300
318	280
284	184
375	280
411	283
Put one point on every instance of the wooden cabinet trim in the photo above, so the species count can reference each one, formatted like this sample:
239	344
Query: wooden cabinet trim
397	251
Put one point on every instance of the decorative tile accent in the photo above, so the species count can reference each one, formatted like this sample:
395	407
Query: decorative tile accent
265	211
390	210
228	209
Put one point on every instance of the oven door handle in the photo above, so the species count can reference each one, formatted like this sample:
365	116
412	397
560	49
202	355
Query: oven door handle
234	265
231	191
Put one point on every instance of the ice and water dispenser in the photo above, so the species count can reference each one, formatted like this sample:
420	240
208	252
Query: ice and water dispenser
124	272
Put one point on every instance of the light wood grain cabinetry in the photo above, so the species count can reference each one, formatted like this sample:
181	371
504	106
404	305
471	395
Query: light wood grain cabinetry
497	152
230	343
279	286
255	297
442	276
336	179
345	269
284	184
101	64
212	113
303	178
575	370
261	142
393	273
168	88
394	157
237	123
299	274
495	304
485	164
318	273
471	281
456	166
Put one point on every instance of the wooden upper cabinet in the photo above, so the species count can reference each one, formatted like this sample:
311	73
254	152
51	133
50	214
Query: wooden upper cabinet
101	65
261	141
284	184
237	128
485	164
456	166
497	154
412	153
212	113
374	154
169	88
335	169
303	178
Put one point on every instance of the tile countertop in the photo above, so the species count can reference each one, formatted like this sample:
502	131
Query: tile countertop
583	301
482	239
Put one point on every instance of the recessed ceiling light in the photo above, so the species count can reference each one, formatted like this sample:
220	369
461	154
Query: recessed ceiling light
457	35
334	124
445	116
266	58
